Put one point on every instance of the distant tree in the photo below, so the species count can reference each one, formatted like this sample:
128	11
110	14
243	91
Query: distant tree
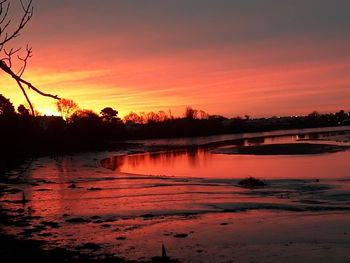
220	117
203	115
190	113
132	117
66	108
6	107
162	116
22	110
152	117
144	117
341	115
8	32
170	114
85	125
109	114
314	115
79	115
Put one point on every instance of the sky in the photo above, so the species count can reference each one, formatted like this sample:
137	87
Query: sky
229	57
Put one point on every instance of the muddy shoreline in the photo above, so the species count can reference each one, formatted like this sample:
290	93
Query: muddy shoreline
31	249
13	249
21	249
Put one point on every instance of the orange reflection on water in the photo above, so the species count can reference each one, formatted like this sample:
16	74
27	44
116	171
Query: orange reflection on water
204	164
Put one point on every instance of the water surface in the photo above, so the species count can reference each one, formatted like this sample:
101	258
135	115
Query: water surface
189	200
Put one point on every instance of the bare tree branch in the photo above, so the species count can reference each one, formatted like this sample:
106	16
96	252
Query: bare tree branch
9	55
27	15
18	78
25	60
7	35
27	98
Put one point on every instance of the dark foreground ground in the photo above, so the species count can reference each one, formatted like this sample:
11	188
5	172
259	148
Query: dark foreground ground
13	249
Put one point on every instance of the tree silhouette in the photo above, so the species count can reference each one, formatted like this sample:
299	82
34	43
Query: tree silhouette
84	115
7	33
190	113
66	108
314	115
341	115
6	107
109	114
133	117
22	110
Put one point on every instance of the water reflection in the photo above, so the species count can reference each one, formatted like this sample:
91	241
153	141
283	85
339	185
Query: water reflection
194	156
113	163
200	162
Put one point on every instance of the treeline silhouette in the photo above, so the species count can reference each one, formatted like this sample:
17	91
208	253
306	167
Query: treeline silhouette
79	130
198	123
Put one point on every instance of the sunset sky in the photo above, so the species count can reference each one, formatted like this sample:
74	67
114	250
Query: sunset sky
228	57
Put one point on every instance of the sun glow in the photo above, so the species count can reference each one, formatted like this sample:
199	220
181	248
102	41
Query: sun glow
49	113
